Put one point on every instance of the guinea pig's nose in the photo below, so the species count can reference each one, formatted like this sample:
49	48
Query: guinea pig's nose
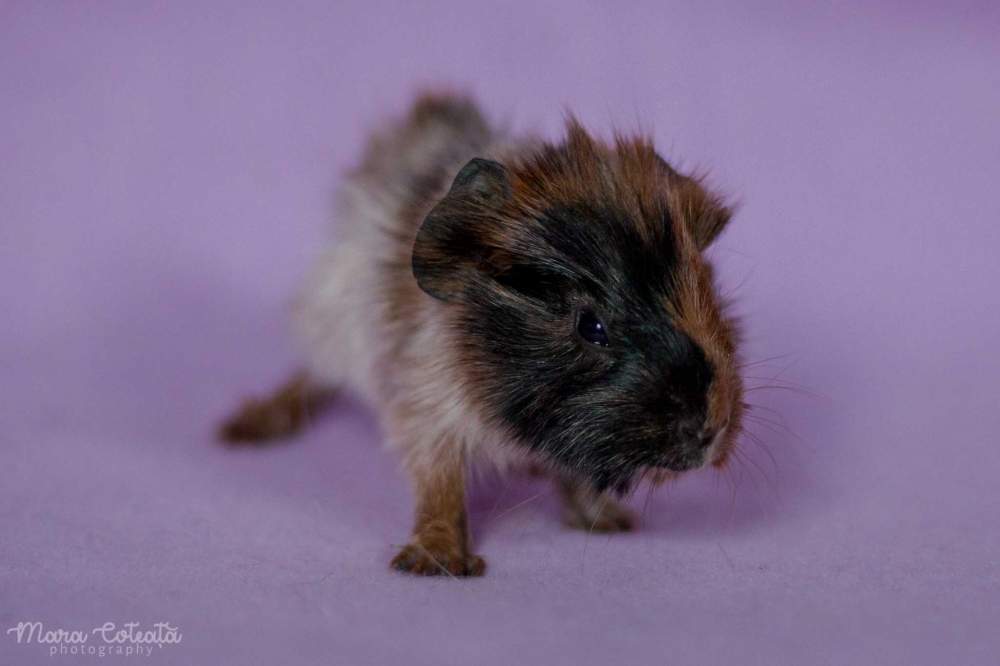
688	430
696	433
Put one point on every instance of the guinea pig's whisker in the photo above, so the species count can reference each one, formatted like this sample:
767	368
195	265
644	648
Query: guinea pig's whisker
520	504
776	383
436	562
730	474
768	480
775	387
755	407
775	380
645	503
731	292
751	364
496	503
749	466
601	503
764	447
774	427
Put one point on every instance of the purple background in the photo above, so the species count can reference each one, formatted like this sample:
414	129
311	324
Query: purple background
166	173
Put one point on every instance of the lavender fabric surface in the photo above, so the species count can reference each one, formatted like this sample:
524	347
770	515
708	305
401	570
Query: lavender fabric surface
166	175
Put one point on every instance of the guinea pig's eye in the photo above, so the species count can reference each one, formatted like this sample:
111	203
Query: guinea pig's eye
591	329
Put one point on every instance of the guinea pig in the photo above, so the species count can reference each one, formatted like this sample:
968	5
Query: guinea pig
511	301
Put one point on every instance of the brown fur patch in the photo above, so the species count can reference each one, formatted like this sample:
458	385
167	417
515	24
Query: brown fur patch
695	307
629	177
440	541
282	414
696	311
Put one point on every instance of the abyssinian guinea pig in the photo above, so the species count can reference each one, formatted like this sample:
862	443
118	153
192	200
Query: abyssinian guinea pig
515	301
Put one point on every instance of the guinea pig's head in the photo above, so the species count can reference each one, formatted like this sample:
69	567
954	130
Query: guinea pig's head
585	317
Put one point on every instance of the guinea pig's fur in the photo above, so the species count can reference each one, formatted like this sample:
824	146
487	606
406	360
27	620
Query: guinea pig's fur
511	301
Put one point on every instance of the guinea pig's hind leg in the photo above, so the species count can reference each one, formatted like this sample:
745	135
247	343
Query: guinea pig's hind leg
283	413
586	509
440	541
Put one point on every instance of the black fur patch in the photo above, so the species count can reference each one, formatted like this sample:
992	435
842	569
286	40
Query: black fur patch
601	413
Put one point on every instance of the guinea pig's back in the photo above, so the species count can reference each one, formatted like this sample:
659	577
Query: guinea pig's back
361	293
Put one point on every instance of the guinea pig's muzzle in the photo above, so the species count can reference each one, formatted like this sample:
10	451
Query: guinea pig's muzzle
695	444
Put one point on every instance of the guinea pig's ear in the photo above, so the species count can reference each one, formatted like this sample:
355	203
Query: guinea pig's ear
452	239
704	213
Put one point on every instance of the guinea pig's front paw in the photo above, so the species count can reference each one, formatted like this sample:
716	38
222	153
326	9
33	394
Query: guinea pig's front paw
437	560
585	509
606	516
